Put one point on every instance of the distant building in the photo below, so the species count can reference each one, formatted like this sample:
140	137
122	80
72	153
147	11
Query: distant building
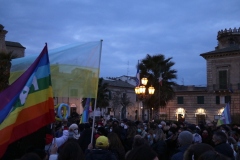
9	46
16	48
118	88
129	79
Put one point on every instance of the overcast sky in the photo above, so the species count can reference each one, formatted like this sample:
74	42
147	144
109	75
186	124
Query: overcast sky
130	29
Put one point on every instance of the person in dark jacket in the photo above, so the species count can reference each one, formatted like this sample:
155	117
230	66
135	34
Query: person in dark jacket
196	150
128	142
221	145
101	151
185	139
207	137
142	152
85	139
159	145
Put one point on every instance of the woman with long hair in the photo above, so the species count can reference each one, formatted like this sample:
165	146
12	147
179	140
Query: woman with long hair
142	152
115	146
71	151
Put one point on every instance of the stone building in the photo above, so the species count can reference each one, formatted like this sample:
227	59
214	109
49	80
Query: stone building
16	48
9	46
223	85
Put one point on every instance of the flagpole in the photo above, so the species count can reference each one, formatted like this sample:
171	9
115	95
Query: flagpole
95	104
159	98
159	93
138	76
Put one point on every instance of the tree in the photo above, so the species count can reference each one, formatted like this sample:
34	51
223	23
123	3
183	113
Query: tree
103	94
5	66
152	67
119	99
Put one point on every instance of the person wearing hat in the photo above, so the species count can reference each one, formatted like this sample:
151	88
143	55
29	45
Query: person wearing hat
185	139
100	152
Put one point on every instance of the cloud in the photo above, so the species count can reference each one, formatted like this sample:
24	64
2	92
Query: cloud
129	30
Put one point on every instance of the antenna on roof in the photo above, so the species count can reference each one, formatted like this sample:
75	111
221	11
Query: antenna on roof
127	68
183	81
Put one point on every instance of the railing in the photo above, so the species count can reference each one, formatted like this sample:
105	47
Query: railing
189	88
230	87
220	87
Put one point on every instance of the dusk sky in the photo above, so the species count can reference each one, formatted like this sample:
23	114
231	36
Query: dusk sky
130	29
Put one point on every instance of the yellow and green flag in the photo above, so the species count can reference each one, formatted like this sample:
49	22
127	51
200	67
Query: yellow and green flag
74	69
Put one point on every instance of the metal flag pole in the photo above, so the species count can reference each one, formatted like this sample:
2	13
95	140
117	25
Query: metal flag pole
139	81
95	104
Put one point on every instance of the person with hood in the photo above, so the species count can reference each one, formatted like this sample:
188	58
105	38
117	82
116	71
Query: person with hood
73	131
100	152
185	139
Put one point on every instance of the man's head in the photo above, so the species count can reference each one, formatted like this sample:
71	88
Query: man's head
219	137
163	124
140	128
185	138
102	142
73	128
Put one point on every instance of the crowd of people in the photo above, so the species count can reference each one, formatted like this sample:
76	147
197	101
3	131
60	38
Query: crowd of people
136	140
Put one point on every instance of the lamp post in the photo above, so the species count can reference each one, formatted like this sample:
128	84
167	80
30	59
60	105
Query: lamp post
152	113
141	90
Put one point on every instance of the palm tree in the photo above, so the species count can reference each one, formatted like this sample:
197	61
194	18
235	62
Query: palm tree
5	66
152	67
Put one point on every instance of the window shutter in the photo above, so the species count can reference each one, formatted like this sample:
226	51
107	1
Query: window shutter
217	100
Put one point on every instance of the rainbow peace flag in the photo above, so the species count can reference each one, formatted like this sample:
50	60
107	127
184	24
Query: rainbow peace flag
85	113
27	105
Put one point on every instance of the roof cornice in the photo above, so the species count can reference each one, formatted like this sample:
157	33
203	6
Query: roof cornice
220	54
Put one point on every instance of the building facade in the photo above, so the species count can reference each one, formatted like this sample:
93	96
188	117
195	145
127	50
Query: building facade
16	48
196	104
118	89
9	46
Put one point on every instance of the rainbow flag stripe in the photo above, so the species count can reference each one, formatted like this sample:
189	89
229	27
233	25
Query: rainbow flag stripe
85	113
27	105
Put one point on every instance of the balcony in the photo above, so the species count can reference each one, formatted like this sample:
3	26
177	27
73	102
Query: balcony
224	87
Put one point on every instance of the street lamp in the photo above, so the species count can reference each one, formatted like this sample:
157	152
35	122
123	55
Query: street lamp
144	81
140	90
151	90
